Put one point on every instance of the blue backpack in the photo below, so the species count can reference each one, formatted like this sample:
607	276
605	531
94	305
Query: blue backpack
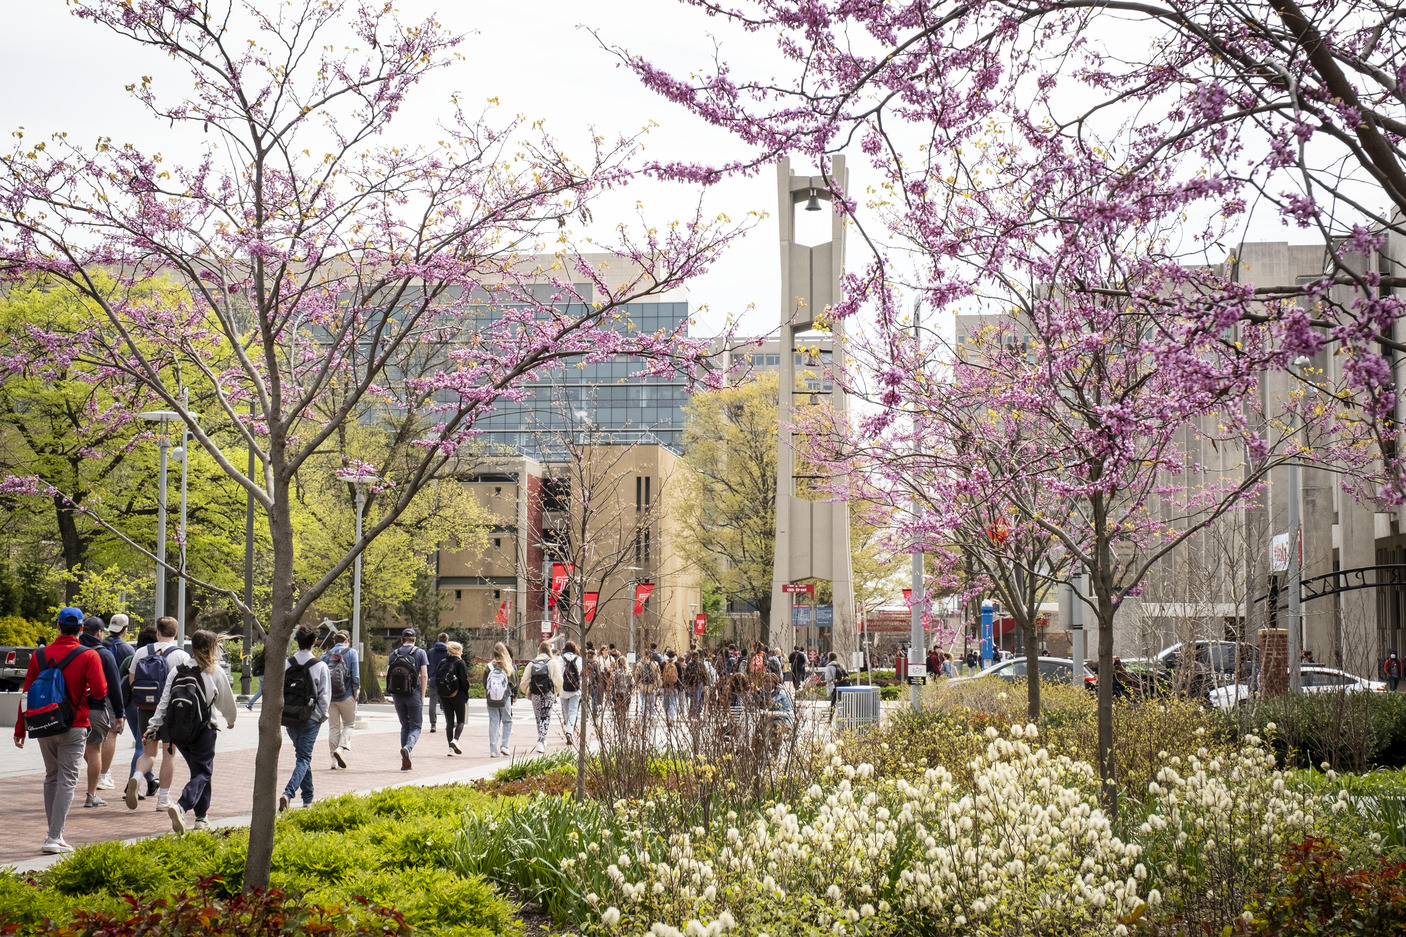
47	708
149	678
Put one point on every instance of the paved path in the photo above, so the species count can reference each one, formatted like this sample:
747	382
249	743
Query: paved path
374	763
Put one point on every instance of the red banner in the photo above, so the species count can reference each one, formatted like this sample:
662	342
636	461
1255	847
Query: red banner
642	593
561	573
908	597
502	618
808	588
700	623
591	598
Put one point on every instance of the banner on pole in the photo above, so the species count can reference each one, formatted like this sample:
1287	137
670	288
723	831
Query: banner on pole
589	605
642	593
700	623
502	618
561	572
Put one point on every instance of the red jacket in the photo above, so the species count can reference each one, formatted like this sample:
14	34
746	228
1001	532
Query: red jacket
83	678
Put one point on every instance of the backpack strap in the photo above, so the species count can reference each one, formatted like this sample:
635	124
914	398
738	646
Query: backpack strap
69	658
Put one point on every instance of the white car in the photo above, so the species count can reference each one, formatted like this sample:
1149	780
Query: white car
1052	670
1316	679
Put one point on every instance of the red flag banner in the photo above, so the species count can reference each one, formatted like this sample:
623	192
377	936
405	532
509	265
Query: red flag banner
908	597
700	623
642	593
561	572
590	600
502	618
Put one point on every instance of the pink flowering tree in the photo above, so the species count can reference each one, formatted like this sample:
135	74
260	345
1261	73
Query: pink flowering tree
1202	111
327	268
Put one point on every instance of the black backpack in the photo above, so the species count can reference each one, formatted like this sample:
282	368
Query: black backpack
338	673
187	709
402	676
541	679
149	678
570	675
299	694
446	678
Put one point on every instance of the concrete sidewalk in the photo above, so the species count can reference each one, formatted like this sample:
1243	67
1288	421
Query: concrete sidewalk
374	763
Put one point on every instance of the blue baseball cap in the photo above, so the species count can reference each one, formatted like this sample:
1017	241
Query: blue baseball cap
70	616
408	633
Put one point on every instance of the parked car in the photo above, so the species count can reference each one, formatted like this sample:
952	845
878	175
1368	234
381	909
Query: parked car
14	663
1316	679
1052	669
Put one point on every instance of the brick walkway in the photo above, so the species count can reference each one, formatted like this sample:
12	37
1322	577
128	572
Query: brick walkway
374	763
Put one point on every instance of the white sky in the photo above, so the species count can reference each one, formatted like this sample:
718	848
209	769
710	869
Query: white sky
61	73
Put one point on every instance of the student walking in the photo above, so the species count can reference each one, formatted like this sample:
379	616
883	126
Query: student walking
835	677
451	682
669	680
344	683
61	679
798	663
307	692
433	658
147	635
407	679
647	679
104	715
571	677
541	681
194	700
151	665
500	688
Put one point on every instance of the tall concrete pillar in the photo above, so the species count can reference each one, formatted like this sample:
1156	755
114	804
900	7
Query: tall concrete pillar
812	537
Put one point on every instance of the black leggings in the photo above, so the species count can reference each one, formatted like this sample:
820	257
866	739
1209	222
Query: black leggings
453	715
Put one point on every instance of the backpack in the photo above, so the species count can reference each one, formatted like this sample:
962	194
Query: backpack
187	709
47	708
620	683
256	666
671	674
757	665
124	667
498	687
299	694
773	664
446	679
570	675
338	673
402	674
540	681
149	678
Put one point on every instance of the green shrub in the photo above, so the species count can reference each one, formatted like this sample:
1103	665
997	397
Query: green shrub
413	841
448	801
27	904
1348	731
21	632
214	854
558	761
433	901
344	814
107	869
304	859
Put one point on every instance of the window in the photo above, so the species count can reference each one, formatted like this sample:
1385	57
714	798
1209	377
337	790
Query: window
458	595
773	359
497	541
496	594
639	546
498	489
646	545
647	480
639	493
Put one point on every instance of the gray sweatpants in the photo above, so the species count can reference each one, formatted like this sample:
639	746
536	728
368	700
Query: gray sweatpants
63	756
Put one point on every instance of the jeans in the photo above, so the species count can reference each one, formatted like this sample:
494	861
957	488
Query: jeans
257	693
200	758
499	717
697	693
453	715
647	698
341	714
671	701
433	695
542	709
131	713
63	754
570	706
303	737
410	710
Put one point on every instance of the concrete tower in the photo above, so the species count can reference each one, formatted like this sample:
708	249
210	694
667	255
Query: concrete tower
812	537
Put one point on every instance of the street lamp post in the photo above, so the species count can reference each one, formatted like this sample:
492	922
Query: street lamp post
634	600
916	660
1295	618
360	481
246	670
184	455
164	443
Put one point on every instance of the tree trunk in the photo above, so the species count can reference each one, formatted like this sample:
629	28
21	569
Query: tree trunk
71	543
1032	669
1108	780
281	624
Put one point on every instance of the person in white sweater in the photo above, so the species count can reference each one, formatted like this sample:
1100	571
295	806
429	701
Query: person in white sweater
196	743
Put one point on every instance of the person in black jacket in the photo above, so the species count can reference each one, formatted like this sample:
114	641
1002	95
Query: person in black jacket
104	716
798	667
454	701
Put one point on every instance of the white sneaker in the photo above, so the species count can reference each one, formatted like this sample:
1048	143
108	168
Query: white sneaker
164	803
505	753
93	800
133	793
54	847
202	824
105	782
178	819
337	757
541	749
492	754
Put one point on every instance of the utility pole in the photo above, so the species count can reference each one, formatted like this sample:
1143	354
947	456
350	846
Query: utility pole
916	661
